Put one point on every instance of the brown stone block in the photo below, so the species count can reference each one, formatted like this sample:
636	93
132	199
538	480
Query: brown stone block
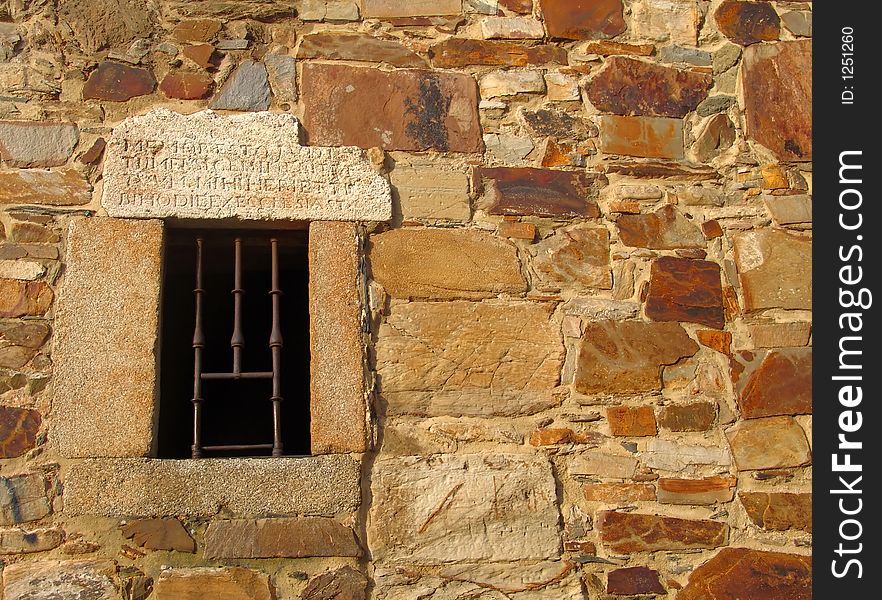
18	430
540	192
712	229
65	188
778	511
197	30
582	19
682	289
747	23
558	124
550	436
520	231
200	54
344	583
24	298
664	229
695	416
229	583
696	491
279	538
357	46
186	86
754	574
774	268
618	492
779	335
721	341
630	532
409	8
607	48
769	443
631	421
647	137
117	82
658	170
633	580
160	534
459	52
578	256
780	385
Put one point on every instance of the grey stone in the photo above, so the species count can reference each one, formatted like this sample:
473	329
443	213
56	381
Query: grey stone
240	44
714	104
60	580
725	58
23	499
168	48
787	210
799	22
282	70
21	541
480	7
246	89
508	148
601	309
680	54
426	192
673	456
37	144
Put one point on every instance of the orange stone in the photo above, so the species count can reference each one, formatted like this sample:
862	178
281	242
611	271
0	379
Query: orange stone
24	298
198	30
550	436
459	52
632	421
711	229
748	23
753	574
632	581
186	86
780	385
118	83
607	48
200	54
778	511
582	19
631	532
647	137
521	231
716	340
618	492
682	289
696	416
709	490
540	192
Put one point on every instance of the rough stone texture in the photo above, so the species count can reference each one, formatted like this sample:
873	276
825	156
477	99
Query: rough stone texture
424	192
511	83
247	89
229	583
37	144
799	22
618	492
769	443
344	583
457	52
159	534
582	19
468	359
328	10
558	124
633	580
578	256
747	23
780	385
777	335
774	268
683	289
696	491
540	192
439	263
675	21
19	269
164	164
409	8
778	511
56	188
357	46
18	430
23	499
196	30
787	210
337	400
717	136
463	508
186	86
674	456
200	54
647	137
231	10
636	421
410	109
512	28
508	148
282	72
777	81
55	579
116	82
627	86
696	416
114	23
754	574
24	298
279	538
601	309
624	357
21	541
561	87
606	465
550	436
105	373
630	532
664	229
315	485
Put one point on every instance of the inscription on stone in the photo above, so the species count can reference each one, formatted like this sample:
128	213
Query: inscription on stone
250	166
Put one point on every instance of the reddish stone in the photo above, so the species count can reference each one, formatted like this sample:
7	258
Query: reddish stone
520	231
657	170
647	137
358	46
630	532
753	574
541	192
582	19
781	385
696	491
721	341
664	229
681	289
459	52
577	256
697	416
200	54
778	97
521	7
24	298
409	109
618	492
559	155
94	153
747	23
294	537
186	86
711	229
607	48
344	583
631	421
633	580
199	30
580	546
550	436
778	511
159	534
117	83
18	430
627	86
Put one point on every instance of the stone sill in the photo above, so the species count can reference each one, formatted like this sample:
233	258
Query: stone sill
241	487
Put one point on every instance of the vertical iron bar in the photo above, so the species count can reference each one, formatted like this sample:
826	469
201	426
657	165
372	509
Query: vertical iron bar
238	339
198	345
275	343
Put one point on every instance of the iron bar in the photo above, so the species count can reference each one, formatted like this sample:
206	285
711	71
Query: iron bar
237	341
237	447
275	343
241	375
198	346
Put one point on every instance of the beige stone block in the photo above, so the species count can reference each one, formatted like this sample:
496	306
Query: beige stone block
770	443
47	579
23	498
615	466
282	538
21	541
337	405
229	583
429	193
409	8
510	83
106	337
20	269
787	210
674	456
666	20
775	269
779	335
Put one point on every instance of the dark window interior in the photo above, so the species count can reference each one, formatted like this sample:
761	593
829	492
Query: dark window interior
235	411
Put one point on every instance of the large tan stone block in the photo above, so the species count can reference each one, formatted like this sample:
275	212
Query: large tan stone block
285	538
232	583
50	579
774	267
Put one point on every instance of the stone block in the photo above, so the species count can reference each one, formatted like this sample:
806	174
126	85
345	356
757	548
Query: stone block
409	8
425	192
344	583
769	443
539	192
754	574
780	385
229	583
647	137
22	541
37	144
159	534
664	229
601	464
511	83
186	86
116	82
461	52
779	335
709	490
618	492
23	498
512	28
578	257
582	19
695	416
279	538
18	429
634	421
357	47
778	511
52	579
675	456
24	298
674	21
774	268
748	23
196	30
789	210
55	188
631	532
683	289
631	581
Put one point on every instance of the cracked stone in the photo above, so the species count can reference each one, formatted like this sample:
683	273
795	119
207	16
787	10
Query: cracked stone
748	23
246	89
754	574
664	229
682	289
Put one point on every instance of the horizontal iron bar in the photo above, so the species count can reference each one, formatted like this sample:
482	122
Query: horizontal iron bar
240	447
254	375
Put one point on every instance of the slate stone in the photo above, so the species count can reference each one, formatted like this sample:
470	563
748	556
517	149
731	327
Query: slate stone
582	19
23	499
798	22
200	54
680	54
609	48
632	532
754	574
714	104
618	492
118	83
656	170
511	83
460	52
159	534
558	124
647	137
18	430
511	28
196	30
633	580
664	229
540	192
409	8
682	289
186	86
344	583
357	47
748	23
37	144
780	385
93	155
634	421
23	541
778	511
246	89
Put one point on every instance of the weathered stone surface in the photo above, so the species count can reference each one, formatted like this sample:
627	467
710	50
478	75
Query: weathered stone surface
24	298
582	19
648	137
682	289
774	268
754	574
186	86
91	352
200	54
715	104
520	231
577	256
196	30
279	538
633	580
679	54
116	82
21	541
508	148
630	532
618	492
425	192
787	210
601	309
357	46
52	579
452	508
779	335
337	392
231	10
769	443
558	124
115	23
747	23
696	416
328	10
622	357
34	233
608	48
637	421
550	436
344	583
674	456
229	583
159	534
18	430
511	83
540	192
23	499
716	137
798	22
664	229
436	263
512	28
603	464
658	170
459	52
777	81
676	21
164	164
627	86
410	109
56	188
561	87
316	485
778	511
409	8
37	144
282	72
696	491
247	88
469	359
780	385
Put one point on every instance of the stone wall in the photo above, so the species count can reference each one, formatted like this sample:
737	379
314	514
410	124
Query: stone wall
587	323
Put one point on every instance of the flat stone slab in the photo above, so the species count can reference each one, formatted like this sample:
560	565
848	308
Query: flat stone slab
315	485
248	166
